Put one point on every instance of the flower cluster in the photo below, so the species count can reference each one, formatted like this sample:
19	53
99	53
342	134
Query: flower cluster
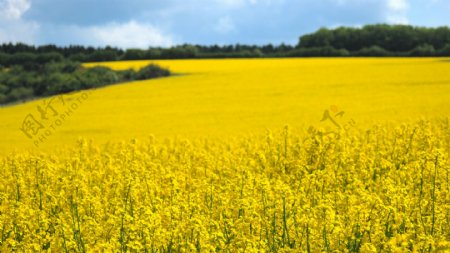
385	189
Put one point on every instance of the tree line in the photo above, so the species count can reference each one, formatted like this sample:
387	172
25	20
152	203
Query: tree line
11	54
369	40
389	40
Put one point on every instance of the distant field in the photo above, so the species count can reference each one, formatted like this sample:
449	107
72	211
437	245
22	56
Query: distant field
215	98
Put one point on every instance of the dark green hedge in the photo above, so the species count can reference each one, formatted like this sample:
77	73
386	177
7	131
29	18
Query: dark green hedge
31	79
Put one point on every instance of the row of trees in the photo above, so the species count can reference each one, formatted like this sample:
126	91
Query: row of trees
370	40
22	82
425	50
392	38
13	53
31	61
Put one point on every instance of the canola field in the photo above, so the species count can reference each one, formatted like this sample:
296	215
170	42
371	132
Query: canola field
217	98
271	155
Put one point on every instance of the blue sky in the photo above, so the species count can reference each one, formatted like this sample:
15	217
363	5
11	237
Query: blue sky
144	23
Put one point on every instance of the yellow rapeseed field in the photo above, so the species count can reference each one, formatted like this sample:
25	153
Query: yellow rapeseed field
267	155
216	98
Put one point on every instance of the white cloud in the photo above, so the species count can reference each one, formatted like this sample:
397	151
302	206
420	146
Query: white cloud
19	31
393	11
131	34
13	9
397	11
397	19
398	5
225	25
12	27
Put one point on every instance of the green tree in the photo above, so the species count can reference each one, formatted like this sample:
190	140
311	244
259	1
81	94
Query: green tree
423	50
151	71
20	93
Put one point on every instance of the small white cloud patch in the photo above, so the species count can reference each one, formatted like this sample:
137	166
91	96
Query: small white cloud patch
397	11
19	31
398	5
13	9
12	27
124	35
224	25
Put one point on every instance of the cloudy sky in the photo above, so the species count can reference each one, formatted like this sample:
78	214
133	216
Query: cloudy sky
143	23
